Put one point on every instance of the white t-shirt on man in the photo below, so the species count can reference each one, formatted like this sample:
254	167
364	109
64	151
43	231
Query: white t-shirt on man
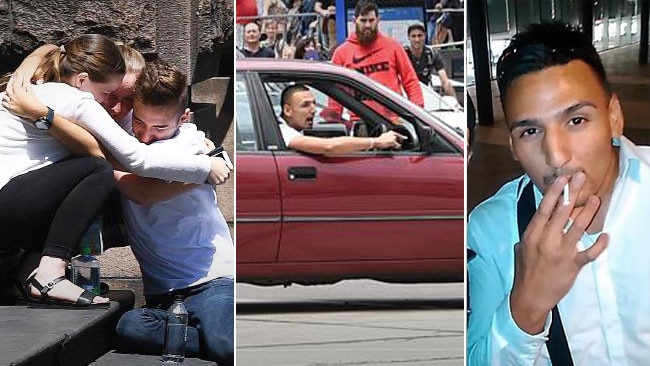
183	241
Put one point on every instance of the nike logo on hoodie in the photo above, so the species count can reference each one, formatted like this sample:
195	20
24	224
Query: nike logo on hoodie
356	60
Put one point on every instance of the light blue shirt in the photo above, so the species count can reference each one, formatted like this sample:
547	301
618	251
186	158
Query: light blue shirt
606	314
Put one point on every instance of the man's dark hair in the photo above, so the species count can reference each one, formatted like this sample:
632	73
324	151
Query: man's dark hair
415	26
288	92
364	7
162	84
256	22
545	45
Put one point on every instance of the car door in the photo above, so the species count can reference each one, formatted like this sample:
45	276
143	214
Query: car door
370	206
258	190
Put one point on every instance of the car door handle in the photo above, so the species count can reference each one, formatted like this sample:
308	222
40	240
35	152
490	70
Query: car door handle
302	173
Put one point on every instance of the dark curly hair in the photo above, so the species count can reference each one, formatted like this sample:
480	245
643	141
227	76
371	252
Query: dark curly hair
545	45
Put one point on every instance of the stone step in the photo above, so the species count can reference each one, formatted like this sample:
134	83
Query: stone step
35	334
116	358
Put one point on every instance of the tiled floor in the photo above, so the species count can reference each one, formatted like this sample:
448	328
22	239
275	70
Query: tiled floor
492	165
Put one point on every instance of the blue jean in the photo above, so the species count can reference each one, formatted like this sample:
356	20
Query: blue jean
210	330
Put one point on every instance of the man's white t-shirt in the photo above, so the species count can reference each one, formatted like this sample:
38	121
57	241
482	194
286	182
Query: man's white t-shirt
288	133
183	241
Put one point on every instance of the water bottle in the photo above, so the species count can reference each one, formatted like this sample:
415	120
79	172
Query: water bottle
93	238
176	332
85	271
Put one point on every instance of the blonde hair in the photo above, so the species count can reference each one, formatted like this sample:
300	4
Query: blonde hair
4	80
94	54
132	58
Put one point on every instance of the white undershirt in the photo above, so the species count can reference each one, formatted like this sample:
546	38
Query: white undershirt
183	241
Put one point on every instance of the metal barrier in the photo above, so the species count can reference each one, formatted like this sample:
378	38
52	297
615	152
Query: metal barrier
293	29
446	10
291	36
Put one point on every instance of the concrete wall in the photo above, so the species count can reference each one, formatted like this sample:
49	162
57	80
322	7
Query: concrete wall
174	30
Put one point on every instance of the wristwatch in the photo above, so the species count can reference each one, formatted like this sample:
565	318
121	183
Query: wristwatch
44	123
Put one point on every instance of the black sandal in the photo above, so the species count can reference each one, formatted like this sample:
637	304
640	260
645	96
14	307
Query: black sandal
85	299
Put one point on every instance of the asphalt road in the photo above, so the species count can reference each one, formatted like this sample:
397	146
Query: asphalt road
351	323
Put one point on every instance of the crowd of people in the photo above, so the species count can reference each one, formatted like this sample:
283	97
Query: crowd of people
307	30
283	29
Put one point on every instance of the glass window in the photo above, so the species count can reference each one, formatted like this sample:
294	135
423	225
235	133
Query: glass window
499	16
634	20
344	110
615	22
246	136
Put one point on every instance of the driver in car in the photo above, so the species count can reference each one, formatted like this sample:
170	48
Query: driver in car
298	111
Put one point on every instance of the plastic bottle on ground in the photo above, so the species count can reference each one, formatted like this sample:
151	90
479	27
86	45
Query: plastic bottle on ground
85	271
176	332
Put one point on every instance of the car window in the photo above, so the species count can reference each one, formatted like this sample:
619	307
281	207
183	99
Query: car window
274	92
246	136
340	105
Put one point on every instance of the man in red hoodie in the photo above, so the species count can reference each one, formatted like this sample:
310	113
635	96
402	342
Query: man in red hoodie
379	57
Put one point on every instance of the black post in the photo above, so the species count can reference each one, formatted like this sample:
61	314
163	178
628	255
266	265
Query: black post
587	18
643	39
478	29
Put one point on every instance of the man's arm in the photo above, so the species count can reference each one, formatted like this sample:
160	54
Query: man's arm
146	191
75	138
345	144
409	78
25	71
446	83
439	66
318	8
492	335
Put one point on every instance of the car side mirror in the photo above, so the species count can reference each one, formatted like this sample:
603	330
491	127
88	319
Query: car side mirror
437	144
326	130
359	129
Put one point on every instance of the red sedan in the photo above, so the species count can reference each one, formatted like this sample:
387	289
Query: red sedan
394	216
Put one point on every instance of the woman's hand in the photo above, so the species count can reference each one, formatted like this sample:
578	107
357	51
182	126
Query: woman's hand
21	101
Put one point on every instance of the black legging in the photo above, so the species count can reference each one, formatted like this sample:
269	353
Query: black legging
50	209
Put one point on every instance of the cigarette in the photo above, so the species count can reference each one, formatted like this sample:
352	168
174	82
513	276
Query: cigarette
565	195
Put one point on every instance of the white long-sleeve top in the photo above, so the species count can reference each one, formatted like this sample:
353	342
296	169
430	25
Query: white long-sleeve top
24	148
